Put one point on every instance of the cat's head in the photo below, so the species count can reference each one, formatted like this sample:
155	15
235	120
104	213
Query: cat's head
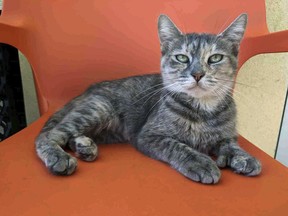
200	65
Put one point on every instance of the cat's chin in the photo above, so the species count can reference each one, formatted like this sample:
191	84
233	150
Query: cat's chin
197	92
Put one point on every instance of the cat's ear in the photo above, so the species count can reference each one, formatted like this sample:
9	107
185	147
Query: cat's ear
167	30
235	31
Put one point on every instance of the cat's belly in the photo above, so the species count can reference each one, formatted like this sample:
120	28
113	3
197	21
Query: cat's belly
114	133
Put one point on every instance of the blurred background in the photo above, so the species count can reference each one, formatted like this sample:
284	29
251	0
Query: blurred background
260	93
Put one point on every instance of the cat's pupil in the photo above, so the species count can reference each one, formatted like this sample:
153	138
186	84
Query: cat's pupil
182	58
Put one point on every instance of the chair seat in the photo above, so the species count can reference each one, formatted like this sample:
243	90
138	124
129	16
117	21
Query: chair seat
122	181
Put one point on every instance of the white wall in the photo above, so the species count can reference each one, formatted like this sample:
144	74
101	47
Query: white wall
261	99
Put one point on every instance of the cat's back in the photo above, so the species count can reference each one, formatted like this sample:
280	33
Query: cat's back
134	89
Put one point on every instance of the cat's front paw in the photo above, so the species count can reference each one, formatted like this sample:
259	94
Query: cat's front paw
246	164
203	170
61	163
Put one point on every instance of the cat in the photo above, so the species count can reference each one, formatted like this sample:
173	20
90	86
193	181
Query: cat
184	116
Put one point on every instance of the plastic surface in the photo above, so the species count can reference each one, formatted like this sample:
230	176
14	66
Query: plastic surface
71	44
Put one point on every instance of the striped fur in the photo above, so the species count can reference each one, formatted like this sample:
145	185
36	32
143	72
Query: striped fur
172	116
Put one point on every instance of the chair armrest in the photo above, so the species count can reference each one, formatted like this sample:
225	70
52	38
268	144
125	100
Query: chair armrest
273	42
10	27
268	43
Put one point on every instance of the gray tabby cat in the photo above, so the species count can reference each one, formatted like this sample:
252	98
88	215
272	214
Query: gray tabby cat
181	117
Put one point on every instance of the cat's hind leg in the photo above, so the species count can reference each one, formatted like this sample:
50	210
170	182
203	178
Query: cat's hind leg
50	150
84	148
92	113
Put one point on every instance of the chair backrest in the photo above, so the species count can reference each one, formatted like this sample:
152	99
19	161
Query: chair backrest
71	44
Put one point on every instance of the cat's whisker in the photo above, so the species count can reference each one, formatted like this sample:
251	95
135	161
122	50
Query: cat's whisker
231	89
220	97
160	84
222	94
162	98
237	94
238	97
244	84
152	93
155	91
159	92
227	90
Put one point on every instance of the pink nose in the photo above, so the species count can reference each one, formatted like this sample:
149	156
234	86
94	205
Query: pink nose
198	77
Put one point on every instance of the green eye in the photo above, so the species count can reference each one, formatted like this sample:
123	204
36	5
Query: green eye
215	58
182	58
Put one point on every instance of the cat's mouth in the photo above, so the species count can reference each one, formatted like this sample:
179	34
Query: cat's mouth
197	91
196	87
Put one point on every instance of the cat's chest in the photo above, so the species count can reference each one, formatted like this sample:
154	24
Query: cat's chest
199	135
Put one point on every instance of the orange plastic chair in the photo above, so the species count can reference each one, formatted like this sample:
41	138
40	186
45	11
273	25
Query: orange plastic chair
71	44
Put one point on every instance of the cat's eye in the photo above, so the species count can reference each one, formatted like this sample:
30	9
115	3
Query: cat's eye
215	58
182	58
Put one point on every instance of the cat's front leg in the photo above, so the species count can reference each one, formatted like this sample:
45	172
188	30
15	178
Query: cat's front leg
232	155
191	163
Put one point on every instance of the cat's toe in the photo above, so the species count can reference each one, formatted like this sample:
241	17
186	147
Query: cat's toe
61	163
87	153
212	175
205	175
84	148
205	172
246	165
222	161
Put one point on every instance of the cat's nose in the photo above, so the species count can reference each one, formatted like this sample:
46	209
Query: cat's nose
198	76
